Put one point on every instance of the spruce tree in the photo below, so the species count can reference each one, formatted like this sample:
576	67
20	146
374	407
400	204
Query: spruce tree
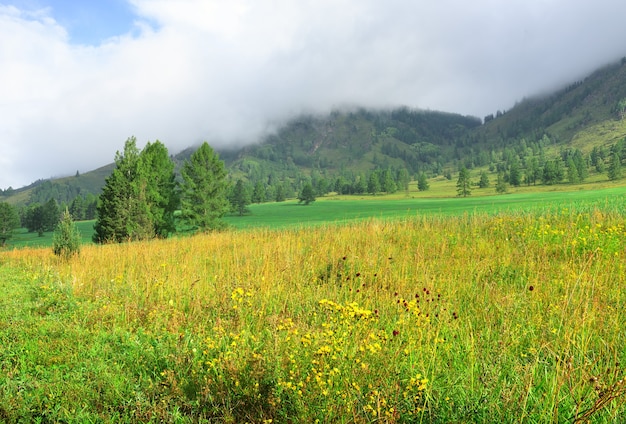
615	167
9	221
387	183
258	195
156	173
66	239
240	198
463	183
422	182
373	183
204	190
484	180
500	184
123	213
307	195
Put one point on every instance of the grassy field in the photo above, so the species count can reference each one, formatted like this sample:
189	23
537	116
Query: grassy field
343	209
496	315
22	238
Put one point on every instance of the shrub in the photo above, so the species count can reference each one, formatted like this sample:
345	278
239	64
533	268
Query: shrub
66	239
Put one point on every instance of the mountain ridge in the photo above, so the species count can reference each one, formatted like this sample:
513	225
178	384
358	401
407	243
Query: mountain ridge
358	140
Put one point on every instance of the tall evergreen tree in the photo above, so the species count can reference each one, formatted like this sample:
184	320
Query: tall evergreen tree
500	184
572	171
9	221
279	192
373	183
615	167
360	185
403	179
240	197
532	171
204	190
157	179
258	194
307	195
41	218
77	208
123	213
484	180
463	183
515	175
581	165
553	171
422	182
387	182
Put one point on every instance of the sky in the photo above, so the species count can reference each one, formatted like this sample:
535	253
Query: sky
77	78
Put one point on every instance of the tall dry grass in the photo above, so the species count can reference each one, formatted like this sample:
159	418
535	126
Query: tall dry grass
475	318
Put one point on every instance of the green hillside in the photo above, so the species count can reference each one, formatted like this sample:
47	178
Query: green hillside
359	141
582	121
566	112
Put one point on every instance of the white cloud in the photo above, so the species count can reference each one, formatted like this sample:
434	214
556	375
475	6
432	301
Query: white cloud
193	70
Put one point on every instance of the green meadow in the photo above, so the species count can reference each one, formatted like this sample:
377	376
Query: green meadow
337	210
376	310
344	209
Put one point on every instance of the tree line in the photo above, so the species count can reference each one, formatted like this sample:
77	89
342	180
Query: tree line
142	198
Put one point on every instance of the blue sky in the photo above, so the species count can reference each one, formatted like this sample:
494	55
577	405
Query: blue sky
87	21
79	77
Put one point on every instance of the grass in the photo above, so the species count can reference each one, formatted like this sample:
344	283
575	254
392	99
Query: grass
22	238
345	209
497	315
440	200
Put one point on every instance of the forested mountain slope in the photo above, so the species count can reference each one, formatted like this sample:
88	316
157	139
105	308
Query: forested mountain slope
584	116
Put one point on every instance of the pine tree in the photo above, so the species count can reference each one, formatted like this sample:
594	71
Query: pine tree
123	212
581	165
156	171
66	238
9	221
615	167
402	179
77	208
484	180
515	175
422	182
373	183
258	194
387	183
204	190
463	183
42	218
500	184
572	172
307	195
240	198
279	193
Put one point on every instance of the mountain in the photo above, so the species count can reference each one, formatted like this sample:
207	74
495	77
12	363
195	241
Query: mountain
359	141
565	112
583	115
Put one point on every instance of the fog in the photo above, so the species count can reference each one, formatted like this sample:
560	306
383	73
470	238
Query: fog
186	71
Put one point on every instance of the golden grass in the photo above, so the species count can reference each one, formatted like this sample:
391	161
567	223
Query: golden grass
468	318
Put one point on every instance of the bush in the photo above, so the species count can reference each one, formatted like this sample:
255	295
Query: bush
66	239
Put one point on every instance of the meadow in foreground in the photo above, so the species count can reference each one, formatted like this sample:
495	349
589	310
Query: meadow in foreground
508	317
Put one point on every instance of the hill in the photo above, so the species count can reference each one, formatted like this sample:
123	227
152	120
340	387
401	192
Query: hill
566	112
346	145
357	142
